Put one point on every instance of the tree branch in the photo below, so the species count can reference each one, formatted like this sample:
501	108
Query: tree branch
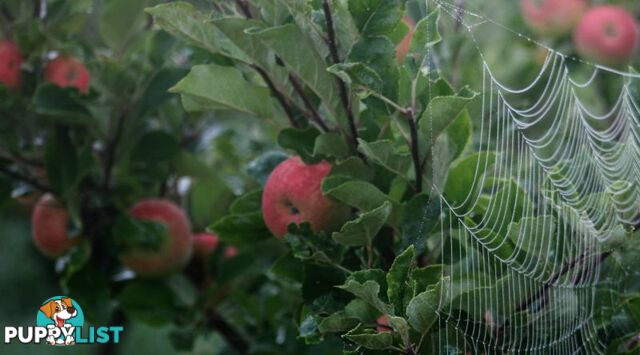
342	87
26	179
315	116
565	269
231	336
279	96
244	7
415	149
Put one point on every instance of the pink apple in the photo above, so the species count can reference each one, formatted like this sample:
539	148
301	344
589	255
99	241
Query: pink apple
10	62
607	35
383	324
293	194
49	223
204	244
553	17
175	251
66	71
402	49
230	252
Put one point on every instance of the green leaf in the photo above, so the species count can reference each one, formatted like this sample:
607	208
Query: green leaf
331	144
225	86
297	51
398	278
64	103
441	112
288	270
459	134
376	17
301	141
369	338
208	200
379	54
61	162
368	292
157	91
361	310
426	35
427	276
182	20
240	229
355	193
465	176
155	147
421	215
261	167
383	153
247	203
150	302
362	230
338	322
119	22
358	74
316	248
422	309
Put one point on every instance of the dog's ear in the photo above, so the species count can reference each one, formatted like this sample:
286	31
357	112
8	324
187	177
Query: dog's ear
48	308
67	301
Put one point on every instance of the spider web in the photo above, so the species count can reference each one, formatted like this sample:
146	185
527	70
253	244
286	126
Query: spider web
553	180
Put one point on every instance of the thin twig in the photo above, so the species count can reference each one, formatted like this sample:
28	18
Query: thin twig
232	337
315	116
279	96
415	150
244	7
342	87
565	269
26	179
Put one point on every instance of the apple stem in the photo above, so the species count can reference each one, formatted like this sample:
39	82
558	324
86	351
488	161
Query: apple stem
342	87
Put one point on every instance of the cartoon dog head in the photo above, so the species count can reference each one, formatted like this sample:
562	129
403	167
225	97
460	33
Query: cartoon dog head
59	310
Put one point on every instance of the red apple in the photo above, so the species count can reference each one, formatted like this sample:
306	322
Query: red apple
10	62
402	49
293	194
204	244
175	251
49	223
553	17
230	252
607	35
383	324
66	71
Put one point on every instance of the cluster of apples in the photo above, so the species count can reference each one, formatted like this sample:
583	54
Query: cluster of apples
63	71
50	219
292	194
604	34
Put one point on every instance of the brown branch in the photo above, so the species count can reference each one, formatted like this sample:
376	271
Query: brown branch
244	7
279	96
415	150
342	87
565	269
232	337
315	116
26	179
